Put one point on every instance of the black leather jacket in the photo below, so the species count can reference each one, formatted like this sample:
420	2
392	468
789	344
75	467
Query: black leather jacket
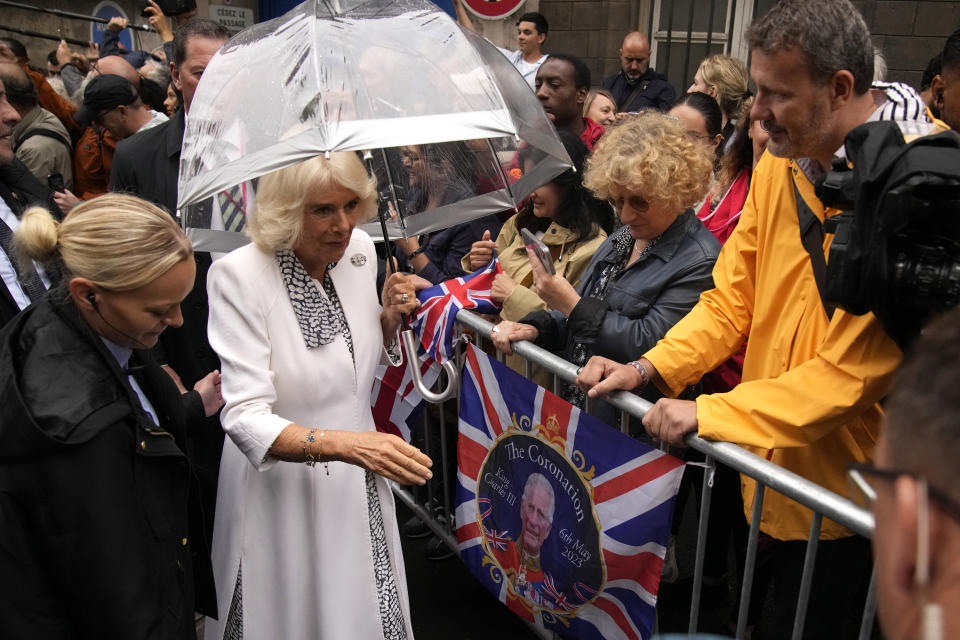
95	538
641	305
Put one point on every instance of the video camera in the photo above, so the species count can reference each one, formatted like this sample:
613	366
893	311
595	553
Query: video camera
896	246
169	7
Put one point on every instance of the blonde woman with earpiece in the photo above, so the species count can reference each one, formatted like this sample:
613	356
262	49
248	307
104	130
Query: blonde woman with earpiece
95	483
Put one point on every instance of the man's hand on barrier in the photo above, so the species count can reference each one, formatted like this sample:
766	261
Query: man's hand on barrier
508	332
670	420
601	375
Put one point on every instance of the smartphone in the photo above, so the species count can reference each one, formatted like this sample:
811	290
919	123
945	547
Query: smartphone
539	249
55	182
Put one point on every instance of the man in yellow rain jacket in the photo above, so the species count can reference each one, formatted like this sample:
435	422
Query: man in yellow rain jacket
811	378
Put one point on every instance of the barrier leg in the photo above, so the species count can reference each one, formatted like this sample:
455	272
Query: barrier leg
435	527
869	608
624	422
806	580
427	448
751	561
447	505
701	553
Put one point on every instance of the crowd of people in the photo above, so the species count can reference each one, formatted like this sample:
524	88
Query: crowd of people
187	432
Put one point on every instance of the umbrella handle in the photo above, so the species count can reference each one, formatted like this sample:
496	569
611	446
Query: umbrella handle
453	375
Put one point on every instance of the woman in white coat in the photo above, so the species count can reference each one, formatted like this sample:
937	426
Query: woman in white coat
305	540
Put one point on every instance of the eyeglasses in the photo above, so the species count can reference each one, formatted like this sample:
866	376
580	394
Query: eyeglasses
863	480
699	136
637	203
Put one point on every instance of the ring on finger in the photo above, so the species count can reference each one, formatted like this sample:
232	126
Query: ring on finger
495	330
404	298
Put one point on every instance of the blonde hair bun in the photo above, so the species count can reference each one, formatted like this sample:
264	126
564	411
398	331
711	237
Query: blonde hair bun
38	235
119	242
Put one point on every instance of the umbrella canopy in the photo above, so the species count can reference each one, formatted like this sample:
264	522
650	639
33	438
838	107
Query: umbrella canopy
389	78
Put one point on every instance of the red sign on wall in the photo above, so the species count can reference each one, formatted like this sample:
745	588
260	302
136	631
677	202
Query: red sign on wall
491	9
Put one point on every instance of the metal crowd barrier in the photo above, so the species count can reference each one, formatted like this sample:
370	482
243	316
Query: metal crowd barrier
822	502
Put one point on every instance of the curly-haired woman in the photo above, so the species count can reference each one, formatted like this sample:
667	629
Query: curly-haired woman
648	274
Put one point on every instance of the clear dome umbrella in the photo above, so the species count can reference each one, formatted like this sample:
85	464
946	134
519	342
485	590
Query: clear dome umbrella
445	122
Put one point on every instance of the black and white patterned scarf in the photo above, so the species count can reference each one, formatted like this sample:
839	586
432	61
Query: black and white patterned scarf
610	269
320	317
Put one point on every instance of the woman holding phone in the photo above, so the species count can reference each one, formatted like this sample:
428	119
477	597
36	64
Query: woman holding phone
563	215
650	272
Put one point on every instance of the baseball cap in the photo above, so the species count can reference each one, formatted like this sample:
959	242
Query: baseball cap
103	93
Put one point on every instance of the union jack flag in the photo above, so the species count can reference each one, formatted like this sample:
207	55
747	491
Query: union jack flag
599	566
394	400
498	539
433	322
557	598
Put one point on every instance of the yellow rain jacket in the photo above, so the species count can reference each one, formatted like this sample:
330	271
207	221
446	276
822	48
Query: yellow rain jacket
808	400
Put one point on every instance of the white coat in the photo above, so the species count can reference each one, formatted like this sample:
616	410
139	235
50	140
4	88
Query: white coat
302	537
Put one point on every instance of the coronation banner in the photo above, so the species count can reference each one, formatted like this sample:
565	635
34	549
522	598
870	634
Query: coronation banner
562	517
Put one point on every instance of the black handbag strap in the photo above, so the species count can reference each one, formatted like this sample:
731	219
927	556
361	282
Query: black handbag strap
811	236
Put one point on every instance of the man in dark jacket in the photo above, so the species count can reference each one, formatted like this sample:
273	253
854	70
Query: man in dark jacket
636	86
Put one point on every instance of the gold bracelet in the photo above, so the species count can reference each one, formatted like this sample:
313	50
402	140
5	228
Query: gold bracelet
308	458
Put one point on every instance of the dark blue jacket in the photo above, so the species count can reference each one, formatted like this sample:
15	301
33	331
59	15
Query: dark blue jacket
655	92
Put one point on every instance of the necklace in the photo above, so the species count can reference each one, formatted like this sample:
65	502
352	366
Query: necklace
647	248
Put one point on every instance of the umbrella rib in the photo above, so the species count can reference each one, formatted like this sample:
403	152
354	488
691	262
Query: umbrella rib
506	179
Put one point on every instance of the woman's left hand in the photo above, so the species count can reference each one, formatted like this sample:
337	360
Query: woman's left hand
554	289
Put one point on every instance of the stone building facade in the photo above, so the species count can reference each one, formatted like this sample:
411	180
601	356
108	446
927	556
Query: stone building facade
682	32
908	33
231	13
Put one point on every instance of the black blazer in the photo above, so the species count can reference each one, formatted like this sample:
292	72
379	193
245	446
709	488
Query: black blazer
20	189
147	165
